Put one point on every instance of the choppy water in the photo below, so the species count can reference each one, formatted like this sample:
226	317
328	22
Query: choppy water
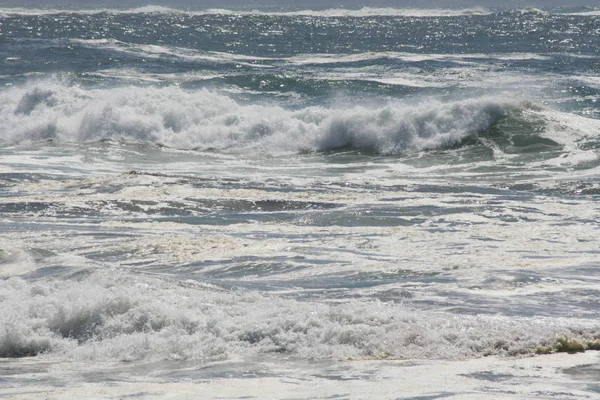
209	191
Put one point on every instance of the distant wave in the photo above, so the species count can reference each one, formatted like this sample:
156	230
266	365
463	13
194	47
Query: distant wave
173	117
334	12
324	13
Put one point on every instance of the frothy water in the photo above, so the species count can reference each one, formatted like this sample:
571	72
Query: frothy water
213	201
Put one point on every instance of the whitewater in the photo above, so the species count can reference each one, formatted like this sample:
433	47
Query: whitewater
340	203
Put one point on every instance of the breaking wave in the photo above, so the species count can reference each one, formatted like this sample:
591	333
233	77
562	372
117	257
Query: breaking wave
203	119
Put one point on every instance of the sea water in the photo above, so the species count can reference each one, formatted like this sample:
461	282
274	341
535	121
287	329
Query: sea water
370	203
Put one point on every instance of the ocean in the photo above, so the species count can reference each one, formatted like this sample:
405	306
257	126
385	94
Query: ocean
373	203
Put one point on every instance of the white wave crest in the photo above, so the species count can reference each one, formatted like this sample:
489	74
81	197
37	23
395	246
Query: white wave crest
202	119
